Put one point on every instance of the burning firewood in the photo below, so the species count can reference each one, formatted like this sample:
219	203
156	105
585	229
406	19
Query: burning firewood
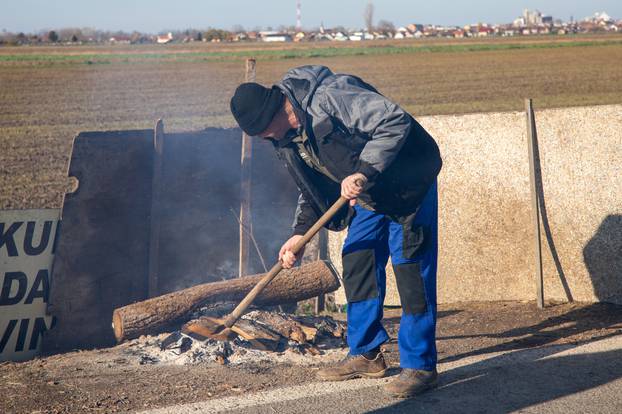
259	336
269	331
286	325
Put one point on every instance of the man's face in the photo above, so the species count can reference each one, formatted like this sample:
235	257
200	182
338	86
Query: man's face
278	127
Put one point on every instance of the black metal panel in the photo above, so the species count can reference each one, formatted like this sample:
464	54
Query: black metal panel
101	258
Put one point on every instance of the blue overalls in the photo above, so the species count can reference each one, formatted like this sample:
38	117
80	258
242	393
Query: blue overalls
413	246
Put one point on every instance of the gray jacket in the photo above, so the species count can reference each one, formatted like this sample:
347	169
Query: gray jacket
351	128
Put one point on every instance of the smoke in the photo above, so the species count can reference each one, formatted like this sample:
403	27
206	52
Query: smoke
199	235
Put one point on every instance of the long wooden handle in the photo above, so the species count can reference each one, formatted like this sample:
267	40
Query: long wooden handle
259	287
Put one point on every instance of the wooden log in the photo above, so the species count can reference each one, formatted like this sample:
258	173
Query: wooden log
152	315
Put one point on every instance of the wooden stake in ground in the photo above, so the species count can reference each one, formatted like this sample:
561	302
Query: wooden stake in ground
532	140
291	285
245	188
154	241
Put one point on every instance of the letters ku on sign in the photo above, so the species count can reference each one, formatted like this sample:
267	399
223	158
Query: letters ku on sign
26	255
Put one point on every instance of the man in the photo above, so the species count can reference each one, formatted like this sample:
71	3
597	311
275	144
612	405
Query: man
339	135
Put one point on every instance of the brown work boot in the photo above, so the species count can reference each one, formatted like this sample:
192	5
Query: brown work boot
411	382
354	366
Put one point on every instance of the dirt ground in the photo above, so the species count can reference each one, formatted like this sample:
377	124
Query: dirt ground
104	381
46	104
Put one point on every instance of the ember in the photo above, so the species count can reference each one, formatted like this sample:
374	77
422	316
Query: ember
284	338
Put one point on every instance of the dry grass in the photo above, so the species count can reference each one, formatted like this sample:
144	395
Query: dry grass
44	104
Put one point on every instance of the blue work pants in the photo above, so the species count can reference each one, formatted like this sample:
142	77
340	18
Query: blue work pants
412	244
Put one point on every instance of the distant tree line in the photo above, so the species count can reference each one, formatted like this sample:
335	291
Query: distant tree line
90	35
87	35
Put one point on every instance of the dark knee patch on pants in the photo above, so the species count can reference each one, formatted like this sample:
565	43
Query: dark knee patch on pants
415	236
359	275
415	240
410	287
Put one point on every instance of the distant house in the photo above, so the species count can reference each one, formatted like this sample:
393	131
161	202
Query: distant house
123	40
275	37
459	34
162	39
252	35
322	36
340	37
356	36
509	32
403	33
240	37
484	31
412	28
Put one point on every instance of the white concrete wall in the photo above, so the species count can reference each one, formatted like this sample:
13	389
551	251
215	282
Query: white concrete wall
485	228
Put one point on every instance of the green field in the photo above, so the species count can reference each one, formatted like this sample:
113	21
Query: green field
48	94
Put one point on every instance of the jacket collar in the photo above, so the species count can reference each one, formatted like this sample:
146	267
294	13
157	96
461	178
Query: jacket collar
289	137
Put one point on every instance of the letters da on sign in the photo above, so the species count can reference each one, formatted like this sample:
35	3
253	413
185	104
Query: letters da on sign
27	242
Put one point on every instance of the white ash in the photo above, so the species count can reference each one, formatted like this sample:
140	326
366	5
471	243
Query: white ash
177	348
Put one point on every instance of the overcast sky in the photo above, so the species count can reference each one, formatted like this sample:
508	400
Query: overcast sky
159	15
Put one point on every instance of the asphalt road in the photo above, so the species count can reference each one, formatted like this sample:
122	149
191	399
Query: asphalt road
554	379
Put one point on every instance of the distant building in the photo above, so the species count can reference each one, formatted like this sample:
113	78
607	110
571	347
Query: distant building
275	37
162	39
532	18
340	37
239	37
483	31
403	33
415	27
123	40
600	17
356	36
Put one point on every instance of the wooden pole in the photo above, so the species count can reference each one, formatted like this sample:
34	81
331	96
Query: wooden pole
532	139
154	237
322	254
245	188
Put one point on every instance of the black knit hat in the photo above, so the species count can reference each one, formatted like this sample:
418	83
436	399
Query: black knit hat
253	106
